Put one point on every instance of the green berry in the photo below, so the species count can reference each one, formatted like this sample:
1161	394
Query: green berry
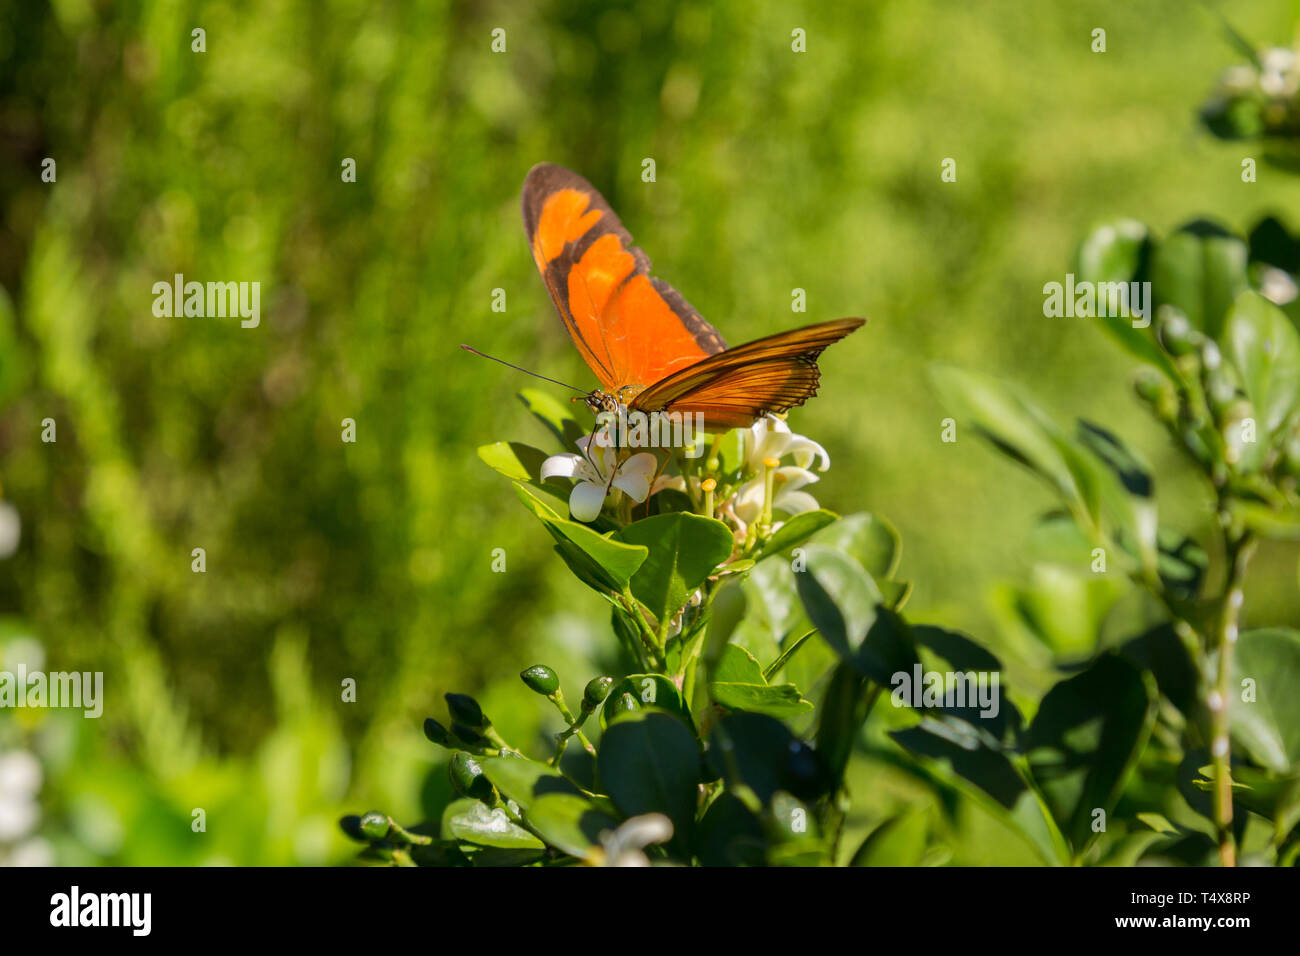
597	690
467	777
465	710
375	825
436	732
541	679
467	735
625	704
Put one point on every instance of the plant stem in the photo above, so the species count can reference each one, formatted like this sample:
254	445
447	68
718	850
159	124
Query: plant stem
1239	549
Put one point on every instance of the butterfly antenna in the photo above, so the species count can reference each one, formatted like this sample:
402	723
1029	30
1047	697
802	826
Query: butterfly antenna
581	391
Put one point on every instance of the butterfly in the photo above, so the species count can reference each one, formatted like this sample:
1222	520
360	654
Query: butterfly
648	347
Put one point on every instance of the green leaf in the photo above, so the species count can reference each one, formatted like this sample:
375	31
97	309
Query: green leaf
682	551
650	763
475	822
869	539
649	690
843	710
1120	252
1086	739
839	597
557	416
1264	347
899	841
1269	726
523	780
737	682
599	561
1128	500
1014	425
797	530
761	752
569	823
729	834
1199	270
513	459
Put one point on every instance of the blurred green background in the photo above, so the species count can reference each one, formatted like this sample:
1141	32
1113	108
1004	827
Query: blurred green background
371	561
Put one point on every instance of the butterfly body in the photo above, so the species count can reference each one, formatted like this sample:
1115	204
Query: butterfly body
648	347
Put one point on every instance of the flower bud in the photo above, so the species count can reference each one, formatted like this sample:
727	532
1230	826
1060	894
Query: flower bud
1147	384
467	735
596	691
374	825
1175	331
465	710
467	777
541	679
436	732
625	704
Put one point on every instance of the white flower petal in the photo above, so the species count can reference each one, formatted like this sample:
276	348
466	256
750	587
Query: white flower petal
789	478
586	500
642	463
561	466
636	487
805	450
748	503
794	502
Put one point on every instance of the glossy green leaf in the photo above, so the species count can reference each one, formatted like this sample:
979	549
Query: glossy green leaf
867	538
557	416
899	841
650	763
1199	270
1264	346
737	682
760	751
839	597
1268	726
523	780
682	551
1013	424
513	459
1120	252
569	823
599	561
796	531
1086	738
474	822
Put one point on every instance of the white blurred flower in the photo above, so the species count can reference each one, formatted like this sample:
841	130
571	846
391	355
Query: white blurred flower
1277	74
20	781
11	529
33	852
598	471
625	845
771	438
1277	285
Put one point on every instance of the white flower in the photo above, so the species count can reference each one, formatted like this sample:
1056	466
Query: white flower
786	494
771	438
11	529
624	846
598	470
20	780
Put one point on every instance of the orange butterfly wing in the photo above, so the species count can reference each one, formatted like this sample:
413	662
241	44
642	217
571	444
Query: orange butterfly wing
629	327
732	389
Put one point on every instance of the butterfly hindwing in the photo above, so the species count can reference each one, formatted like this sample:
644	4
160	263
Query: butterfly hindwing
630	327
733	388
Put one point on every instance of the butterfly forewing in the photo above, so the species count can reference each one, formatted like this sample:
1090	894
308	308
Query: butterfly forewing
630	328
